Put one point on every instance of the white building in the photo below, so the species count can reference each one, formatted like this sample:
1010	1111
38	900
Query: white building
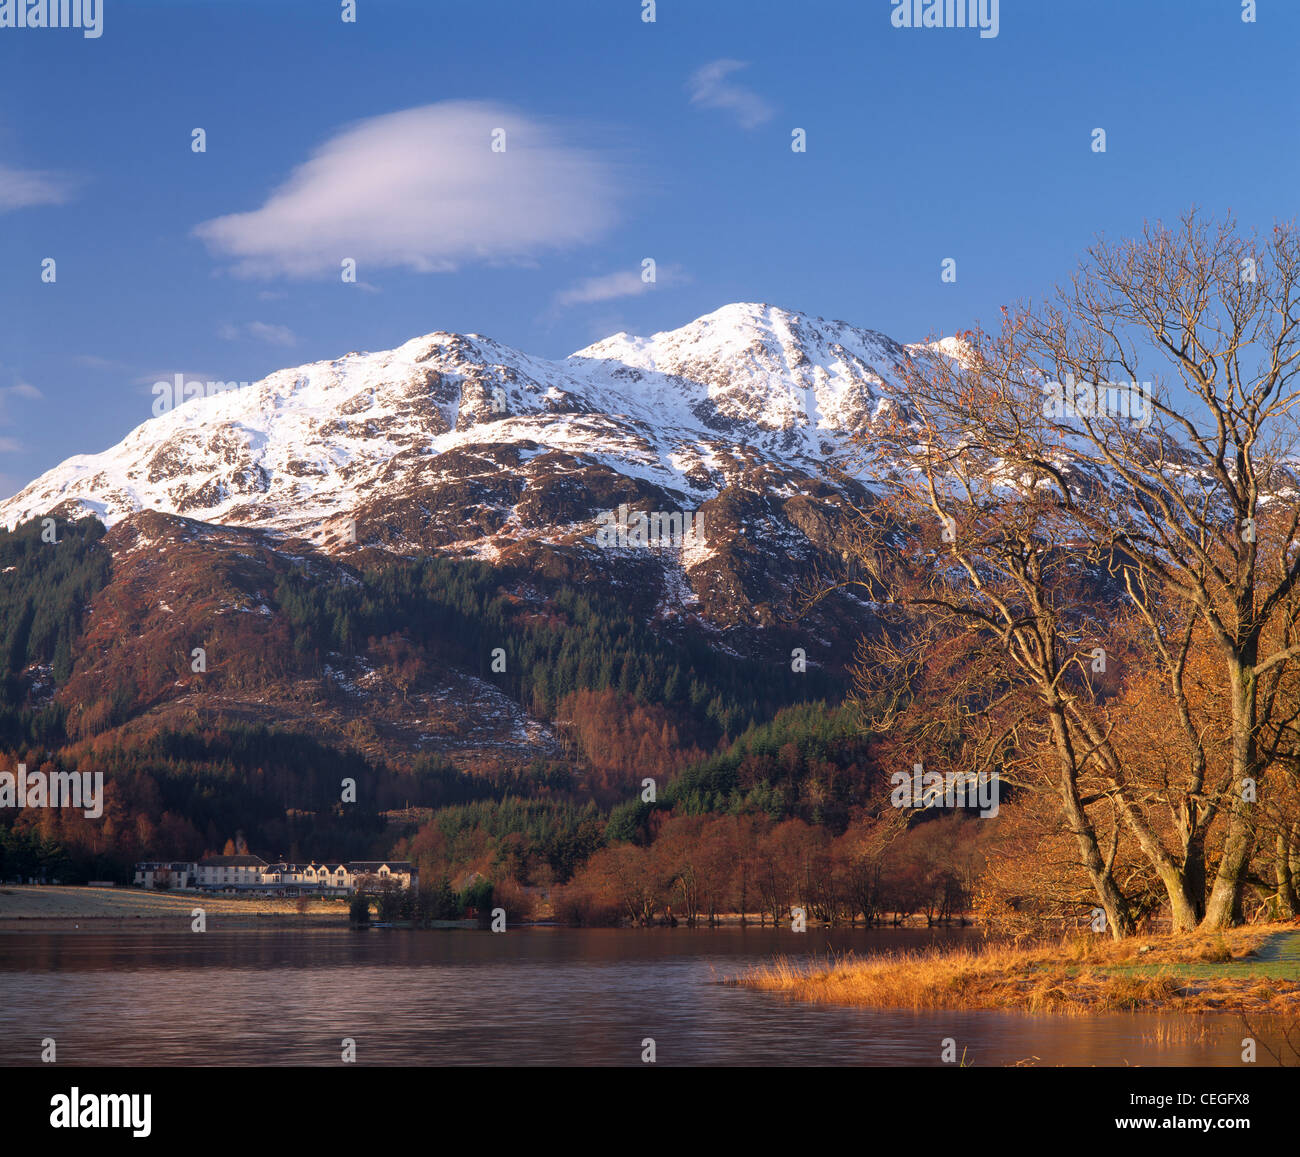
328	879
374	875
161	874
221	872
253	874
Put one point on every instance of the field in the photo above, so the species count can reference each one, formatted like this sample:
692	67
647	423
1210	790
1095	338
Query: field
51	907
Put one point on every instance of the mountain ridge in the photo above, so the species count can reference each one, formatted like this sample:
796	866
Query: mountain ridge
307	442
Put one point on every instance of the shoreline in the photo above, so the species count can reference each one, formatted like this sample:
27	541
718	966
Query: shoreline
18	924
1247	970
226	919
37	907
31	905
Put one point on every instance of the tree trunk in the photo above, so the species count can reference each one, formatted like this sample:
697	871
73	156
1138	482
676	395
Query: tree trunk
1113	902
1288	901
1224	907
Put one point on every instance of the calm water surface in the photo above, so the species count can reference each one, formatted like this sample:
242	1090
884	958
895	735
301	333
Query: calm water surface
531	996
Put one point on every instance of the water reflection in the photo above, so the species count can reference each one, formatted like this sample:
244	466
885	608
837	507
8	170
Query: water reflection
529	997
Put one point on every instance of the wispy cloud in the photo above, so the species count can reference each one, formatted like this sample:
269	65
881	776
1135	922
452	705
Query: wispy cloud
24	188
23	390
422	189
280	335
710	88
611	286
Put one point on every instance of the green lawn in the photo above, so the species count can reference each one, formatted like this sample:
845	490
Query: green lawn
1277	959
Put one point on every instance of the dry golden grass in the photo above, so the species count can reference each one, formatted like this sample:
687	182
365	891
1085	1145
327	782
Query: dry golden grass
1192	973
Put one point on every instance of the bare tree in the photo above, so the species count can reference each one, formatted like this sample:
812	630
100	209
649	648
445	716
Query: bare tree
1128	444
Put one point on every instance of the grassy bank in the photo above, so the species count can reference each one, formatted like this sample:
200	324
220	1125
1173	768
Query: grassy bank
25	906
1240	970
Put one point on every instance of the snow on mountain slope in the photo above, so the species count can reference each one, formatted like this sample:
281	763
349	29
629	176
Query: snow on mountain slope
686	410
759	364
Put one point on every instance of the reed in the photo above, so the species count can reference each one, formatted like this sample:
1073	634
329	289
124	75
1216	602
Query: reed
1080	974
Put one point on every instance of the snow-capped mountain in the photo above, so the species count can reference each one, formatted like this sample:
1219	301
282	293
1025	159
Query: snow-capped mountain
457	445
327	476
686	411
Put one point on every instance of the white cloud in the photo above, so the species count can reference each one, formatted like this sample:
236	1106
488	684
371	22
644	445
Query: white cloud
610	286
280	335
10	445
422	189
19	390
710	87
24	188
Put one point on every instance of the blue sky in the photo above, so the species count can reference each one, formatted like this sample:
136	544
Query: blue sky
624	140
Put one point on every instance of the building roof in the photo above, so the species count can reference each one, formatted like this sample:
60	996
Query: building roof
282	865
